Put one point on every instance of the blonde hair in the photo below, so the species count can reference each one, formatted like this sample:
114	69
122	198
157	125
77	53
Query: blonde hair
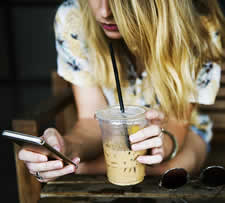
167	36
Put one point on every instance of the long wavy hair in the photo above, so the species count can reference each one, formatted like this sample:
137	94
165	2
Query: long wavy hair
169	37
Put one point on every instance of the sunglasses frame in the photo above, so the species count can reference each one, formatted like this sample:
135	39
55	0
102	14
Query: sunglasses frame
187	178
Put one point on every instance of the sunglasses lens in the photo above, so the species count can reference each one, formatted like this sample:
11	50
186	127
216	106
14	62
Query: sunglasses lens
213	176
174	178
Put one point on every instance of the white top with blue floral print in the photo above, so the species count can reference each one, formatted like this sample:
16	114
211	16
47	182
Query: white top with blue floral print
74	67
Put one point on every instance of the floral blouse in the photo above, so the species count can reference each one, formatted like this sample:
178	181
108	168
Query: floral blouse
73	66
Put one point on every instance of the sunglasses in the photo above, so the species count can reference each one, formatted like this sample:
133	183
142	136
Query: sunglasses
212	176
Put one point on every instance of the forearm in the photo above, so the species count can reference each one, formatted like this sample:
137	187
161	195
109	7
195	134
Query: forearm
190	157
96	166
84	140
180	130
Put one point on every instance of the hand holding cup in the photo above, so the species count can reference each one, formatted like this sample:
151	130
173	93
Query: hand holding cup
150	138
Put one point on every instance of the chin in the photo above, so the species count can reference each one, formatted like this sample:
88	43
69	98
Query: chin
113	35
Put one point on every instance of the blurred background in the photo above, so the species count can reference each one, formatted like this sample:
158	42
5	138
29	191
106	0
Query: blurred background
27	57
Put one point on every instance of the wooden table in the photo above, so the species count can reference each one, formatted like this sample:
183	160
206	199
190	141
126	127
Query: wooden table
87	188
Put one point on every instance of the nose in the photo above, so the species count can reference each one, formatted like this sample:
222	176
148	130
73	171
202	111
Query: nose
105	9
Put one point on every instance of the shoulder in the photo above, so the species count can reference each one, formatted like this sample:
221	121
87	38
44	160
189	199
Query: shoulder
72	52
207	83
68	16
67	7
68	30
209	72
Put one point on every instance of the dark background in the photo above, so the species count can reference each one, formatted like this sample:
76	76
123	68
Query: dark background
27	56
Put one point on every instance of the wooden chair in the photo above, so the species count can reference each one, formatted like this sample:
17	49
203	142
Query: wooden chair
86	188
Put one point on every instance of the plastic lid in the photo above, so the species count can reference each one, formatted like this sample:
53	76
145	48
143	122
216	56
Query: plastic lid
113	114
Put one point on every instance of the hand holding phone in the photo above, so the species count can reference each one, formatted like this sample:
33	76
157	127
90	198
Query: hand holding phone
24	138
34	147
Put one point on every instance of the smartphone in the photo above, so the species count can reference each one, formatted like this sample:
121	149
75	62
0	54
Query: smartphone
21	138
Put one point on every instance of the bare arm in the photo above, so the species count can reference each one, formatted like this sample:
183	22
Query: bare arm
191	155
83	142
192	149
84	139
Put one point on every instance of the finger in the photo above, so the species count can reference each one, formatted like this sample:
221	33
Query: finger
57	173
45	166
29	156
157	150
147	144
155	159
45	180
154	114
42	180
151	131
76	160
51	137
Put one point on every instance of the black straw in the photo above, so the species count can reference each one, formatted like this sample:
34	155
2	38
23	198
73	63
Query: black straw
119	92
116	78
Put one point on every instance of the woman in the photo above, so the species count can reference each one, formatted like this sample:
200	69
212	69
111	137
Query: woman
169	55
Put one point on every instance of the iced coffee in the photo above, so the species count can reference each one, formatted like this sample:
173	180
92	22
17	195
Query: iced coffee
121	162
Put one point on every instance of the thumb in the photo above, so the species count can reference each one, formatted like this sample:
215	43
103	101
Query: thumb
52	137
76	160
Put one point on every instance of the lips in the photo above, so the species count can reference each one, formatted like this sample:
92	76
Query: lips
110	27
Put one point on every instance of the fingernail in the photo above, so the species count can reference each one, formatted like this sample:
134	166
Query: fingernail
140	159
132	138
59	164
134	147
43	158
70	169
76	160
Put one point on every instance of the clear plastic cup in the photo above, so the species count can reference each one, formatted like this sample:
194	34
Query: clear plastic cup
121	164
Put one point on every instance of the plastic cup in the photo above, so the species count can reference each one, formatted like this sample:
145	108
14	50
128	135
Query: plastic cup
121	164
